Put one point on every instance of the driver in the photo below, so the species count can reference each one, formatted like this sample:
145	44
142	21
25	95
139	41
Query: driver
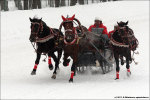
98	24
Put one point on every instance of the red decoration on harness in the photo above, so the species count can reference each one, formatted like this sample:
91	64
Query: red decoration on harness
67	64
70	19
35	66
117	75
72	73
49	61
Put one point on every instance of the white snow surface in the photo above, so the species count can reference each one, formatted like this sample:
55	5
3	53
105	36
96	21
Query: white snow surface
18	56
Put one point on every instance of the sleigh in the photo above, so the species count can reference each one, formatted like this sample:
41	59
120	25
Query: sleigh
101	58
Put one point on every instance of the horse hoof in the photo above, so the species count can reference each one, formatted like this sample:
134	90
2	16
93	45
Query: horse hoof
66	63
116	78
51	67
54	76
71	80
128	74
33	73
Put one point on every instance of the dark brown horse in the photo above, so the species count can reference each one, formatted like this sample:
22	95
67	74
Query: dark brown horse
123	42
46	40
75	43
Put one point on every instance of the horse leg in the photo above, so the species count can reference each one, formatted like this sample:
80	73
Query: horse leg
122	62
59	56
117	65
66	61
72	72
128	66
56	65
50	62
36	64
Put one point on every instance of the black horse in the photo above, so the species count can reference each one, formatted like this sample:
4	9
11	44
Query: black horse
47	42
123	42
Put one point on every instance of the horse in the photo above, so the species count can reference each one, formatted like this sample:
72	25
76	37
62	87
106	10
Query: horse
123	42
76	43
46	40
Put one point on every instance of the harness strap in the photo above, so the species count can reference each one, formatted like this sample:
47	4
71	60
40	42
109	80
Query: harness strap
115	43
45	39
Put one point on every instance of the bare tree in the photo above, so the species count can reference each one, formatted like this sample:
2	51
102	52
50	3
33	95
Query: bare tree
25	4
36	4
57	3
103	0
92	1
63	3
4	5
81	2
30	4
73	2
51	3
18	4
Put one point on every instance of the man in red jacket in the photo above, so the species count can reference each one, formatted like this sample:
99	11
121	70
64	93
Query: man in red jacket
100	29
98	24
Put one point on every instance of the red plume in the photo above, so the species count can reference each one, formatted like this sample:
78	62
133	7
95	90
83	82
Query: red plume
64	19
72	18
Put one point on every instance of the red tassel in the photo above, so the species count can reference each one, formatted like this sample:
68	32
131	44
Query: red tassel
68	64
72	73
49	61
35	66
128	70
117	75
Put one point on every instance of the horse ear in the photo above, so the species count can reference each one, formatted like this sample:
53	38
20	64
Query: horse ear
64	19
127	22
40	19
72	18
30	19
118	23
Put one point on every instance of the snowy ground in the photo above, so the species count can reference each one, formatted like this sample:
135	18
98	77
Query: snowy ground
17	55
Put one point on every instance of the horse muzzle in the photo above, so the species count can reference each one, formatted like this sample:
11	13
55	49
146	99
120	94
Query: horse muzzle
32	39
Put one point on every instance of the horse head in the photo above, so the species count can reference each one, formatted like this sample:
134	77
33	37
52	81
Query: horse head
122	32
70	32
122	24
36	28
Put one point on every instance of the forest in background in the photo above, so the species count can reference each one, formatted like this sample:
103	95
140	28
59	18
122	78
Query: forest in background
7	5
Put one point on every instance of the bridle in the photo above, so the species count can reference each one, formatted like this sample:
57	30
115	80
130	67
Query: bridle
40	26
72	30
40	29
75	38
